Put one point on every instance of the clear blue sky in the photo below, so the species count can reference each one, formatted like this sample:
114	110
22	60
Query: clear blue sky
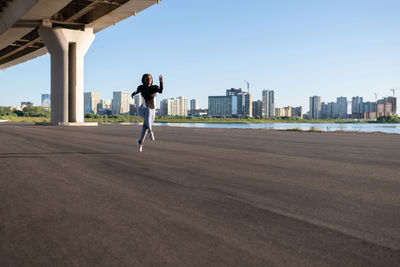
298	48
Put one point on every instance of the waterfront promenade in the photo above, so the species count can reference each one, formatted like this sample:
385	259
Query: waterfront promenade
197	197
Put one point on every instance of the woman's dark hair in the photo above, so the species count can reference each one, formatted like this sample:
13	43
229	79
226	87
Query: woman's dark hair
145	79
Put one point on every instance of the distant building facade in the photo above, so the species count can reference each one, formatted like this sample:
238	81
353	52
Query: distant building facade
257	108
329	110
105	103
137	101
46	102
369	111
387	106
289	112
174	106
315	107
297	112
357	107
283	112
342	107
194	104
268	103
198	112
120	103
365	110
104	107
236	103
368	107
372	110
91	102
222	106
26	104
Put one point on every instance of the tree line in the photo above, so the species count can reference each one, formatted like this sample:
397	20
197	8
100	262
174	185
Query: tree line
388	119
27	111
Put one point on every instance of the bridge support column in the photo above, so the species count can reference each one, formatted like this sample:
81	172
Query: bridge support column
67	49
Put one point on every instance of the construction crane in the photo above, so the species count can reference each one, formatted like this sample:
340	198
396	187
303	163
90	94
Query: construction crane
376	97
394	90
248	86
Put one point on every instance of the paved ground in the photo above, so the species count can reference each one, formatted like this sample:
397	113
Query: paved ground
197	197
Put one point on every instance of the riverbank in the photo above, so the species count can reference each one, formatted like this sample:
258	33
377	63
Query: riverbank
134	119
319	126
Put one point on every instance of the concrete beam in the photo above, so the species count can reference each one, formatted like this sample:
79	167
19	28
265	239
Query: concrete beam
13	12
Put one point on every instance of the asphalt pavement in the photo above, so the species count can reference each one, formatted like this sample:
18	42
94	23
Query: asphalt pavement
84	196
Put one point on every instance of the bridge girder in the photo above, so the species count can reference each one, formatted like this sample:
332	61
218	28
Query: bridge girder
76	15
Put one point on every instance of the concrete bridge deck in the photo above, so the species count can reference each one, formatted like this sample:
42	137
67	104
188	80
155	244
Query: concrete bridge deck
197	197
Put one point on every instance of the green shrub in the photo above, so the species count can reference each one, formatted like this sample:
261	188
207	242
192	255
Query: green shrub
388	119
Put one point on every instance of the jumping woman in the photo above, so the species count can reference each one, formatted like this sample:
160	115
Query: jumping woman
148	109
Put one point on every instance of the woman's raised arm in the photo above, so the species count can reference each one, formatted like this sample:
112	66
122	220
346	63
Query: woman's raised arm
160	90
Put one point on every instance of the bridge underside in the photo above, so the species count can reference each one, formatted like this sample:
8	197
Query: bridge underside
65	28
19	37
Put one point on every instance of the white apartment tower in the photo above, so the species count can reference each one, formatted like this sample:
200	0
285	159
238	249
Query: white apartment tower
91	101
268	103
174	106
120	103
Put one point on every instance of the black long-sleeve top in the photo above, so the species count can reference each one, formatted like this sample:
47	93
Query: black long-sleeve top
149	93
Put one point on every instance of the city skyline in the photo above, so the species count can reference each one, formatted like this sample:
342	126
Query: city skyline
205	104
352	50
316	107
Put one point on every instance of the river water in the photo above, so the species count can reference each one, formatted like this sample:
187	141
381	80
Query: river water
393	128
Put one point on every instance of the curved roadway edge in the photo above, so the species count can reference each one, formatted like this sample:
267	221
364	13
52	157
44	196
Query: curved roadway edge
38	53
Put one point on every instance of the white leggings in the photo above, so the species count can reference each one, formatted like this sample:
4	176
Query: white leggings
148	114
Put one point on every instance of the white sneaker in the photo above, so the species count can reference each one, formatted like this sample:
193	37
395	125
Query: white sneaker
139	146
151	136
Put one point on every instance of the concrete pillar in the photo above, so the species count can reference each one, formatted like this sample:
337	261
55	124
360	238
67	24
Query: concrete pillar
67	49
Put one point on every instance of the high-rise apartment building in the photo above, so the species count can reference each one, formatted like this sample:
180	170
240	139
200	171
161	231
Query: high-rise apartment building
222	106
368	107
268	103
393	102
356	107
324	111
297	112
46	102
257	108
289	112
236	103
342	107
243	100
174	106
247	104
182	106
333	110
387	106
120	103
315	107
194	105
91	102
283	112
